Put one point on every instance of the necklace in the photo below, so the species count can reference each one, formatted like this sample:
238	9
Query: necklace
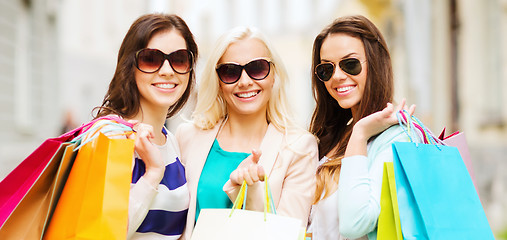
350	121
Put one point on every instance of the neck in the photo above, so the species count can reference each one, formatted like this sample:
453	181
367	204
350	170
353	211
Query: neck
155	118
243	132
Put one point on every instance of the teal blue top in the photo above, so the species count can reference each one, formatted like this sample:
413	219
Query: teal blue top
215	173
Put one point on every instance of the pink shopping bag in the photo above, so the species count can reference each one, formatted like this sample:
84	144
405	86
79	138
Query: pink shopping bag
458	140
16	185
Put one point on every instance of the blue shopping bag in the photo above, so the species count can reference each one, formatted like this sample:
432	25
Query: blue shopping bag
436	196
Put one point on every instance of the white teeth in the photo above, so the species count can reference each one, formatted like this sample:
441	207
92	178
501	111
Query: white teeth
344	89
165	85
246	95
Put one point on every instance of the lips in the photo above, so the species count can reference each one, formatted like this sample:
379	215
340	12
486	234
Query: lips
165	85
247	94
345	89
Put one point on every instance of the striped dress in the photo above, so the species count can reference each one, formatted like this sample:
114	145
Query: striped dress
159	213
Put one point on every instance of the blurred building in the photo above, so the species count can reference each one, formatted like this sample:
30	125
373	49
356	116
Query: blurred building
449	58
29	77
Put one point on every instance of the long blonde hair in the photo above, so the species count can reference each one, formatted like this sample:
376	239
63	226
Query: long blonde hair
211	106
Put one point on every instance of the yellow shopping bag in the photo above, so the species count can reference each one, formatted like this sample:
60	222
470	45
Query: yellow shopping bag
94	201
389	227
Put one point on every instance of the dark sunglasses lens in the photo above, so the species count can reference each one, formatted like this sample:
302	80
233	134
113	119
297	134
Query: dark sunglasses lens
324	71
229	73
257	69
181	61
351	66
149	60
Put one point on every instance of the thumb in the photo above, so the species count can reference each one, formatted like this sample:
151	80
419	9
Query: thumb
132	136
261	173
134	124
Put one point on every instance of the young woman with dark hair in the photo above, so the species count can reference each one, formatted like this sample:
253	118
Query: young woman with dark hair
353	87
153	79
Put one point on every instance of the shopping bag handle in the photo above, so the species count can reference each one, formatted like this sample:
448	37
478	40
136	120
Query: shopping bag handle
240	201
86	126
413	127
90	132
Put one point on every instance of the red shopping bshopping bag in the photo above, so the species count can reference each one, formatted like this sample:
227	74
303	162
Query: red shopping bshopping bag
17	183
29	218
21	179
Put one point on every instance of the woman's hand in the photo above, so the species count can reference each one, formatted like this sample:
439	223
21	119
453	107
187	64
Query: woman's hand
377	122
249	170
148	152
372	125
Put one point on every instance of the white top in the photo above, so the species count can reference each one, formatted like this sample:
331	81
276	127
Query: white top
324	220
159	213
356	202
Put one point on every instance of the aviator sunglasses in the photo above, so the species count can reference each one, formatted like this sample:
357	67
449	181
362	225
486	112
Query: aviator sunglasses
151	60
325	71
230	73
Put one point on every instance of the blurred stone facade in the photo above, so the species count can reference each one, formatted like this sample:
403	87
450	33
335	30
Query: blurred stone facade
28	76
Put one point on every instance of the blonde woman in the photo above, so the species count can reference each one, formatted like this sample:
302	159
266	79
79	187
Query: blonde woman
242	108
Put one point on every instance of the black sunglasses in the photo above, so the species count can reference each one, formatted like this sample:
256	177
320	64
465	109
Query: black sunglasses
151	60
230	73
325	71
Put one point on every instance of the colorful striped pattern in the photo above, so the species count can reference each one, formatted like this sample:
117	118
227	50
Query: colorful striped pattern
167	216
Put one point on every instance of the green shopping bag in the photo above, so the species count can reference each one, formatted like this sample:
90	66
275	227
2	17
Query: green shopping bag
389	227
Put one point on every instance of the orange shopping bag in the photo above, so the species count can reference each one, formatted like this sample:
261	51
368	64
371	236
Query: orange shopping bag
94	201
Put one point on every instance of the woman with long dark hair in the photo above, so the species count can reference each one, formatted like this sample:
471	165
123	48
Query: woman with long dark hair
353	87
153	79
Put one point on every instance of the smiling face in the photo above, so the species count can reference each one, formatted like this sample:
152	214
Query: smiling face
161	89
247	96
346	89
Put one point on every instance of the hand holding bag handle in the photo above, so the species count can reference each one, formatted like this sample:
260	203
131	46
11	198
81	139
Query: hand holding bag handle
237	223
240	202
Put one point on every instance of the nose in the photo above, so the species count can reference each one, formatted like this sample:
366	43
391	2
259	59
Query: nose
166	69
244	79
339	74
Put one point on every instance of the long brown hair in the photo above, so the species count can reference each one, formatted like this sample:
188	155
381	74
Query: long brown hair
329	120
123	97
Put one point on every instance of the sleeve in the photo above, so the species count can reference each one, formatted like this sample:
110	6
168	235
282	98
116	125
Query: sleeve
299	185
360	186
140	198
